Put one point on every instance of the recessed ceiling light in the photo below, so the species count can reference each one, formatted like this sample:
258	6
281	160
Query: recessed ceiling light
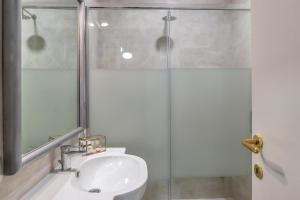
127	55
104	24
91	24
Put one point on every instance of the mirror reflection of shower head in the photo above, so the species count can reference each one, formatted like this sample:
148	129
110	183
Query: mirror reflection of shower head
35	42
28	15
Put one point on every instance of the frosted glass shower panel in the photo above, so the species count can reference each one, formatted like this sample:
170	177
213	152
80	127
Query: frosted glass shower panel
127	86
211	93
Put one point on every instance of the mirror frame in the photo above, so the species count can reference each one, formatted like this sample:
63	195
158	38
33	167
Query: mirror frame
13	158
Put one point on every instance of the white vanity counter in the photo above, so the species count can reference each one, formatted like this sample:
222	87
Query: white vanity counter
56	185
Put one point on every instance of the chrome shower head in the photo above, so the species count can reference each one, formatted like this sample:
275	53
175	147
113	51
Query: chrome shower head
165	41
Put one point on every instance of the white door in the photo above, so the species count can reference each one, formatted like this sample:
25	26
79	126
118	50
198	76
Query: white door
276	97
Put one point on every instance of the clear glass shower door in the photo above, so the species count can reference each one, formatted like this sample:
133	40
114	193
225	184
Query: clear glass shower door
174	87
128	87
211	104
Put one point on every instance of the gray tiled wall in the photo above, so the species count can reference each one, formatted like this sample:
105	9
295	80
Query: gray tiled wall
200	39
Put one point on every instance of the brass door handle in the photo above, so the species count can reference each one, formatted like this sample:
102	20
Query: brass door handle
255	144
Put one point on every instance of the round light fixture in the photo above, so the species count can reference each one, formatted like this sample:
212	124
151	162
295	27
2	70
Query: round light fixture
91	24
127	55
104	24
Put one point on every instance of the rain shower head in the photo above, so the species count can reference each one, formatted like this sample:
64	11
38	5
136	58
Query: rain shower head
165	41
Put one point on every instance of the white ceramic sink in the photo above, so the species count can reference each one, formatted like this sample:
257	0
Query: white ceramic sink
118	177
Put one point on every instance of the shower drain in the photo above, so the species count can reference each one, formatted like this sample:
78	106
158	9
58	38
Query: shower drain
95	190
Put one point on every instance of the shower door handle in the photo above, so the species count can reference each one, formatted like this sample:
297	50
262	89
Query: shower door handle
255	144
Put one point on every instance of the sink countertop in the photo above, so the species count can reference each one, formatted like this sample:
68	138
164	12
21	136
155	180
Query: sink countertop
55	182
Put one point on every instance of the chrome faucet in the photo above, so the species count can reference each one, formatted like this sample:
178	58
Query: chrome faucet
87	145
65	152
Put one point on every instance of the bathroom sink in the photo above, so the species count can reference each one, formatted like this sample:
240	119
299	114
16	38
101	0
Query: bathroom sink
113	177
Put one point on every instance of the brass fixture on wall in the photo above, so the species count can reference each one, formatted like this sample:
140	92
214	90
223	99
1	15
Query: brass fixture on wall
258	171
255	144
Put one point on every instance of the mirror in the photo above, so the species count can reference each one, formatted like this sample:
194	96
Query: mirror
44	78
49	74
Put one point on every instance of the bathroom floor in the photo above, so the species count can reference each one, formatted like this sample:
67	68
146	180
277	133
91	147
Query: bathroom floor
207	199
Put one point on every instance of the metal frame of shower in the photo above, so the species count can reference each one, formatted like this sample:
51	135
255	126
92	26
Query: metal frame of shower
13	158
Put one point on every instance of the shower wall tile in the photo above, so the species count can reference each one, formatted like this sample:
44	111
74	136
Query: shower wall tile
210	39
199	188
134	31
234	188
191	188
208	4
57	30
240	4
157	190
241	187
199	39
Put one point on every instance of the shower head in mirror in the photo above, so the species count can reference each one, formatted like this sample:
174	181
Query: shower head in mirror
35	42
28	15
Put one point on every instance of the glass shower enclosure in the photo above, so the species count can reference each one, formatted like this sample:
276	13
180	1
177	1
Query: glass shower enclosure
173	86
